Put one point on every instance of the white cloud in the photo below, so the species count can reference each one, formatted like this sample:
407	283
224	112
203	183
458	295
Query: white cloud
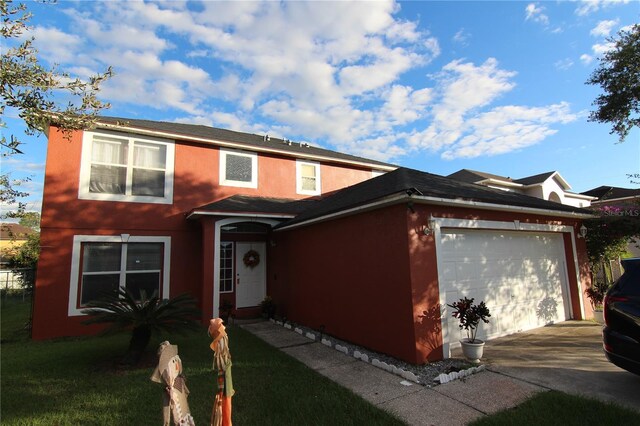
563	64
586	7
54	45
600	49
462	37
586	59
535	13
603	29
465	126
318	70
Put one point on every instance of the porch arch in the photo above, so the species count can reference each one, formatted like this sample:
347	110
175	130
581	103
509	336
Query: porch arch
216	253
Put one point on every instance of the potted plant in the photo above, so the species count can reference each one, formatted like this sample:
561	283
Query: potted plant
596	294
226	311
268	307
469	315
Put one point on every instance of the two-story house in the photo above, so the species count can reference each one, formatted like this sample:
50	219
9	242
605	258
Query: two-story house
363	250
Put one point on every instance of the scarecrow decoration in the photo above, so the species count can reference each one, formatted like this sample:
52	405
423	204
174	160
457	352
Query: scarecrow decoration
169	372
221	413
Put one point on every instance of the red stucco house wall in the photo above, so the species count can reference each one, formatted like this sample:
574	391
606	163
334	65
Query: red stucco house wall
195	182
359	261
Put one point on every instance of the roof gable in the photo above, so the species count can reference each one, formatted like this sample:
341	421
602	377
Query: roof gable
411	182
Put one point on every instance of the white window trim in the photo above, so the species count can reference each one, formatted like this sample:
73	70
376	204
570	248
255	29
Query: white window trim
376	173
85	170
74	281
223	169
233	280
299	190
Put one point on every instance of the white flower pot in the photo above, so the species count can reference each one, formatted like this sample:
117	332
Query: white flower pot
598	316
472	351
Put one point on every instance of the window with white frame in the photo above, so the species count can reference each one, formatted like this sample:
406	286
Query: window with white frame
226	267
238	169
102	264
307	178
118	167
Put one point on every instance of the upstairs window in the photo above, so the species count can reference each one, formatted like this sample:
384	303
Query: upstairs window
308	178
238	169
118	168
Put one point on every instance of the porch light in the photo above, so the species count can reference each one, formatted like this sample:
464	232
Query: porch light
583	231
428	228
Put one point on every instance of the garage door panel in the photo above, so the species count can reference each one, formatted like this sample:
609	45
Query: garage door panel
520	276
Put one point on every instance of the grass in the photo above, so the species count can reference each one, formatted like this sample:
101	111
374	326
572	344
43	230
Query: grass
557	408
69	381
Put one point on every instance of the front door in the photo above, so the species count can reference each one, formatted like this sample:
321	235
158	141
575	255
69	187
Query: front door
251	287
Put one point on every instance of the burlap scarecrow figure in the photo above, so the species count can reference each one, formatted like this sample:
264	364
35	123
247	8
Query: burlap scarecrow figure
221	413
174	400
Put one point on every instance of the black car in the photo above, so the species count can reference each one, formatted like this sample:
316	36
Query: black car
621	332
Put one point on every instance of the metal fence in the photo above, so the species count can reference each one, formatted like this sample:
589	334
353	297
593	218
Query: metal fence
17	282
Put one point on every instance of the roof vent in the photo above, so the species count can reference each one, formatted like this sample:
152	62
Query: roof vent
266	138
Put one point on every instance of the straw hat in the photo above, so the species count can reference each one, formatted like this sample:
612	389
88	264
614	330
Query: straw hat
166	351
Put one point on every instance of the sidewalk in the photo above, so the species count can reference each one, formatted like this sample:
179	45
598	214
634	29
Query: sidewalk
451	404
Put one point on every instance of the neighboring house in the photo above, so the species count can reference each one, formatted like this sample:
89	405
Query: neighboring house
548	186
617	202
12	236
343	247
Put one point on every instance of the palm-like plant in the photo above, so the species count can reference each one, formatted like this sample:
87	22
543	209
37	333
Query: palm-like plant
143	316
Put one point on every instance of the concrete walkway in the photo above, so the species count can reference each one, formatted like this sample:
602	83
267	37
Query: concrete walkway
567	357
451	404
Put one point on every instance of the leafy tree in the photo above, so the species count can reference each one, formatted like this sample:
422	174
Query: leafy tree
619	76
30	220
143	316
32	91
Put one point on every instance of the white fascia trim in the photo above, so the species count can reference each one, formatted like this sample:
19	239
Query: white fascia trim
579	196
74	280
235	145
440	223
500	182
216	257
613	200
255	215
418	199
499	207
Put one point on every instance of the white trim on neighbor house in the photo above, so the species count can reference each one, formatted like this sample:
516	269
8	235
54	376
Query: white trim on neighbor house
253	183
489	225
216	256
86	160
299	178
235	145
78	240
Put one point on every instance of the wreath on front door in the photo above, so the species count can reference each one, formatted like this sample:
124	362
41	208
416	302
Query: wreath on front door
251	258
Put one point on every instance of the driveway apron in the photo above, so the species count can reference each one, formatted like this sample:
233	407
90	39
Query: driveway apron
567	357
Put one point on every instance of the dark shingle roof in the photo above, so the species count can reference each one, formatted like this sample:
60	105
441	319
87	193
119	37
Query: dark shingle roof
530	180
473	176
611	192
403	181
247	204
247	139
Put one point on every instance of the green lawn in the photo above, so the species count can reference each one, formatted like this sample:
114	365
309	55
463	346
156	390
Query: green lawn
68	381
556	408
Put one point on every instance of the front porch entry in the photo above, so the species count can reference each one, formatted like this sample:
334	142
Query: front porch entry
238	282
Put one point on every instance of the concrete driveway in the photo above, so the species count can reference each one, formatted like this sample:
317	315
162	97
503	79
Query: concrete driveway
567	357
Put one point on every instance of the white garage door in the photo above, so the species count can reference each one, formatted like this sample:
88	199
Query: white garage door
522	277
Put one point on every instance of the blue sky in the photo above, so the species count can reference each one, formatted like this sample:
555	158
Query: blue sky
436	86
